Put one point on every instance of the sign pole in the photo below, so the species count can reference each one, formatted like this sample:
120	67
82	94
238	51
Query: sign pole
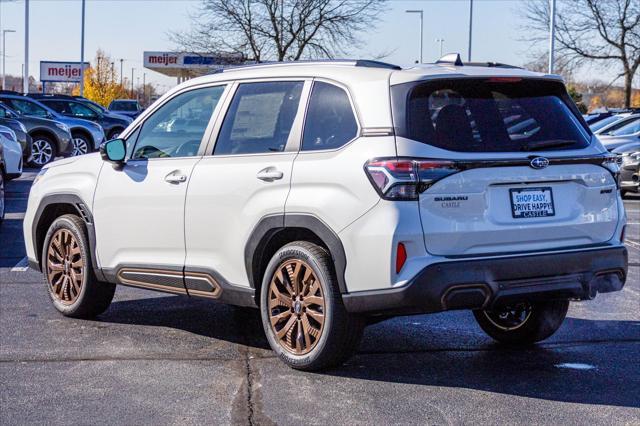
82	51
25	77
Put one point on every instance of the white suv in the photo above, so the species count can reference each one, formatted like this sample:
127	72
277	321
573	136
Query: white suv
332	194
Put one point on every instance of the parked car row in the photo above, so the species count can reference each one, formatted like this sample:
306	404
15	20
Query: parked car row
49	125
11	161
619	132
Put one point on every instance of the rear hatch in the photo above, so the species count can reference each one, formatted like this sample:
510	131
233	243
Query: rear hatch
506	165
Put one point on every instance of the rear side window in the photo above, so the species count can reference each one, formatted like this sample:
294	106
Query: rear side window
259	118
330	122
488	115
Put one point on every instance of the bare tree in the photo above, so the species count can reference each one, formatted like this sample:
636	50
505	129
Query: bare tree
263	30
593	31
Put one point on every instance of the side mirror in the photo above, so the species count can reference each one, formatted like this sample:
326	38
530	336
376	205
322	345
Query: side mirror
114	151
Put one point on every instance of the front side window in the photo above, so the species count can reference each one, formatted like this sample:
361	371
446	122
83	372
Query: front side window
260	118
490	115
79	110
28	108
176	128
330	122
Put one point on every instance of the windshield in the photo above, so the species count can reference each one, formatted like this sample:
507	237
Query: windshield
624	128
488	115
124	106
604	122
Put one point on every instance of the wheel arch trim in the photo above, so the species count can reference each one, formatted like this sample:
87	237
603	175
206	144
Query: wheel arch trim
270	225
81	208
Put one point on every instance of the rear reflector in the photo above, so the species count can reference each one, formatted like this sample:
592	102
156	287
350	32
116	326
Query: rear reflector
401	257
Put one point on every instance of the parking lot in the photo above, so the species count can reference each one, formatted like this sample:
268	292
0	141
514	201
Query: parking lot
154	358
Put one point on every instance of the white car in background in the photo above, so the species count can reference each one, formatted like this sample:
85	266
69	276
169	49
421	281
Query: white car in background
12	153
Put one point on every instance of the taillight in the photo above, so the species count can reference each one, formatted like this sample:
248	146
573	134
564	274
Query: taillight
403	179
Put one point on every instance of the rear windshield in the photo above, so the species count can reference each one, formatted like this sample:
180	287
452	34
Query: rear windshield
490	115
124	106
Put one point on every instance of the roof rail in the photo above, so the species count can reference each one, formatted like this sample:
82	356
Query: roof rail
10	92
353	62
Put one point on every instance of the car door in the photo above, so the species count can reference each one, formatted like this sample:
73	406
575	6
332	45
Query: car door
244	176
139	207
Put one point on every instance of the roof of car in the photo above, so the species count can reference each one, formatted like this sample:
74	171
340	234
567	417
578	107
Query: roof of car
348	69
363	78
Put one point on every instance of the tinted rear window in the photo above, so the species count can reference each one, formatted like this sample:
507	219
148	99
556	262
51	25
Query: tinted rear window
489	115
123	106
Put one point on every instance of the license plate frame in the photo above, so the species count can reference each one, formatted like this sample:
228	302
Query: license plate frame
532	213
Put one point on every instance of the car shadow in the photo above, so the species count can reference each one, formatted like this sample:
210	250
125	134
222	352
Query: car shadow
590	362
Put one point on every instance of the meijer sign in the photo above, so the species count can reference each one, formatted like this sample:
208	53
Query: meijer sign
61	71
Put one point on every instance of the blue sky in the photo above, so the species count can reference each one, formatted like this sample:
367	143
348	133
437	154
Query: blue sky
126	28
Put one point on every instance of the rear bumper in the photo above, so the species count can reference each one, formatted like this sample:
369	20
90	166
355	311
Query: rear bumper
488	283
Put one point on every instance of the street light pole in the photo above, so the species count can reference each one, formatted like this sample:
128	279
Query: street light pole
144	88
470	29
552	34
4	57
421	12
132	69
82	51
25	77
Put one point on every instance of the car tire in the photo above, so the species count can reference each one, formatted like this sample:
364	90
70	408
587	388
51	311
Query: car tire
114	134
43	151
533	323
69	277
302	312
80	144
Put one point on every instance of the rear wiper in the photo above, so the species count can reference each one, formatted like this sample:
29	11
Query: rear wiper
553	143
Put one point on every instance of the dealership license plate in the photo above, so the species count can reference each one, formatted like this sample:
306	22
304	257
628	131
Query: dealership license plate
531	202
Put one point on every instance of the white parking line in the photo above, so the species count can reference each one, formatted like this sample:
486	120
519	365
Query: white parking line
576	366
21	266
632	244
14	216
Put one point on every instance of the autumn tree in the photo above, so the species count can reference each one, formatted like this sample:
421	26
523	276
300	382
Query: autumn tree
597	31
263	30
101	81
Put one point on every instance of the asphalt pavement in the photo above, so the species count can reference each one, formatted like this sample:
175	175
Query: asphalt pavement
154	358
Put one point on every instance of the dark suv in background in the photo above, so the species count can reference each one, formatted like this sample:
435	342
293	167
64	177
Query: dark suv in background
48	137
112	124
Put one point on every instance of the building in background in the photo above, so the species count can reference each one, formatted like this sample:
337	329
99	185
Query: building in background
185	65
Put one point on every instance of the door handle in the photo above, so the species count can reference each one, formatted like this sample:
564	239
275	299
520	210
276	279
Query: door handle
175	177
269	174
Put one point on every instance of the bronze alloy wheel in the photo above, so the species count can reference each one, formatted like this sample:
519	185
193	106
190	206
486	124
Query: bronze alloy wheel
510	318
65	267
296	307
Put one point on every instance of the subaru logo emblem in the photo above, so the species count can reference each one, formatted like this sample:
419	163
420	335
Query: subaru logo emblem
539	163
